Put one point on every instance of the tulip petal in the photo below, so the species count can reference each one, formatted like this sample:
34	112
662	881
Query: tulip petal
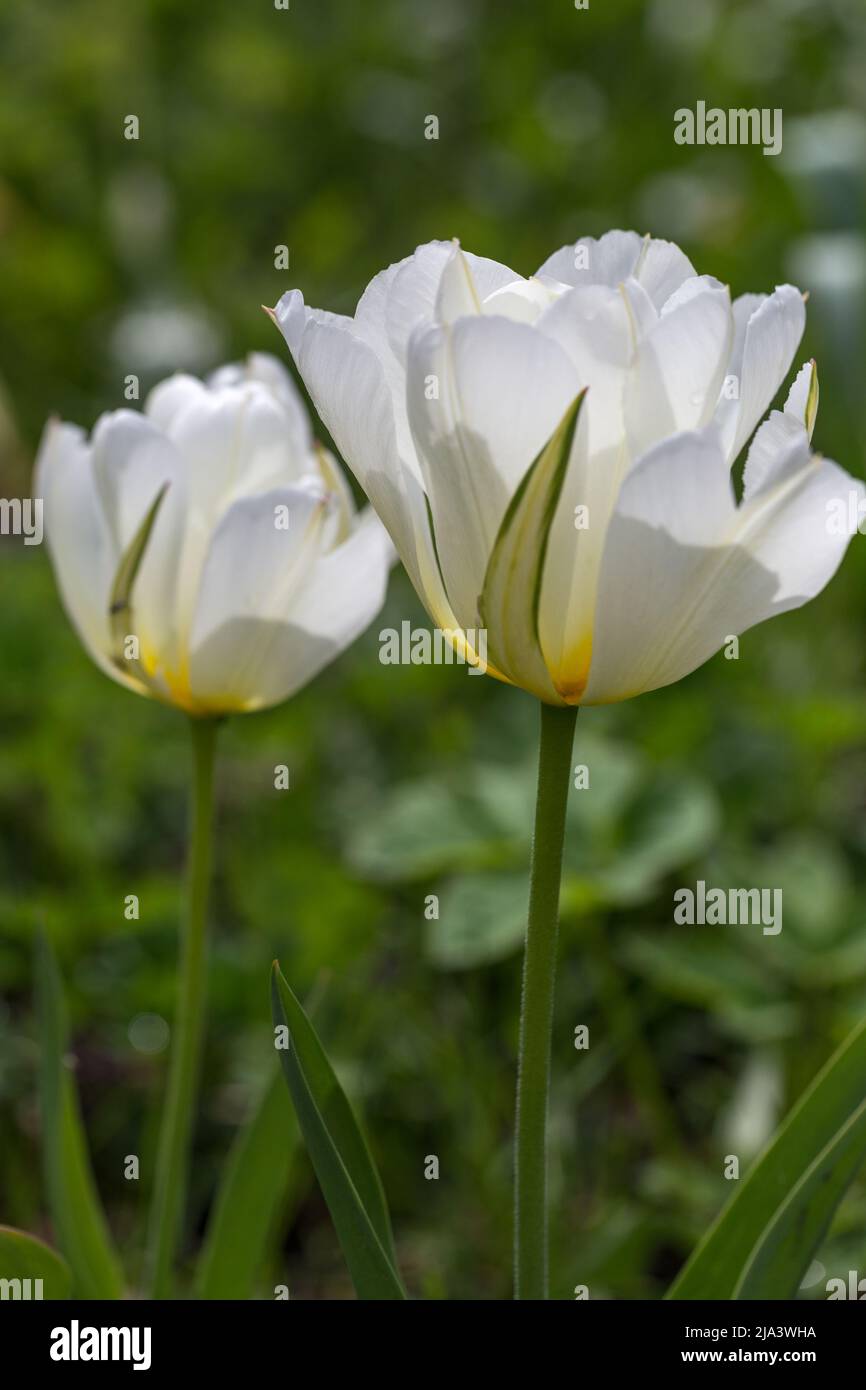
782	441
484	396
256	643
684	569
252	570
267	370
171	397
767	333
592	324
82	550
133	461
347	383
679	366
120	607
659	266
338	600
510	599
405	295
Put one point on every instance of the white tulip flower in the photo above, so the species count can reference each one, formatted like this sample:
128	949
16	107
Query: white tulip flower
552	456
207	550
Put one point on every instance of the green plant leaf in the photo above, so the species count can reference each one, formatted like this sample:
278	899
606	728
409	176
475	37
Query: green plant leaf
82	1230
250	1198
22	1257
482	918
763	1241
423	828
338	1152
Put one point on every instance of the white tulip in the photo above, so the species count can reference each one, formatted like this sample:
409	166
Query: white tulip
597	538
206	548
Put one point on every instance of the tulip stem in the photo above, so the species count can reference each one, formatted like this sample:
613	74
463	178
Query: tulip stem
170	1182
536	1010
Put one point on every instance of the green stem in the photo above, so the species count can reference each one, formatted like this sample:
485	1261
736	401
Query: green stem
170	1182
536	1010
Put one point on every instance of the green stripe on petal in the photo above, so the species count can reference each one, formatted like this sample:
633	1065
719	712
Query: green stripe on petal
812	399
120	615
510	599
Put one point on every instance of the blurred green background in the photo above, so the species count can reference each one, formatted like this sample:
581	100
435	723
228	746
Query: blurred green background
305	127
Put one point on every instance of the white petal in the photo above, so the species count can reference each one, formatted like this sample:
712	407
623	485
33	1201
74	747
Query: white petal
679	368
82	550
295	610
342	595
171	397
457	294
662	269
802	399
238	440
132	459
590	261
659	266
406	296
346	381
781	444
673	505
269	371
684	569
768	331
132	462
592	324
502	389
524	300
252	571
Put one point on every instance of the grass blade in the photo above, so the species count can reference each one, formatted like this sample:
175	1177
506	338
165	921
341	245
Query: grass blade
250	1198
82	1230
761	1244
338	1152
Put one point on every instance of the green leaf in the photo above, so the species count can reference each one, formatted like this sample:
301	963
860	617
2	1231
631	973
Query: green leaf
120	614
82	1231
22	1257
250	1198
338	1152
509	601
763	1241
423	828
482	918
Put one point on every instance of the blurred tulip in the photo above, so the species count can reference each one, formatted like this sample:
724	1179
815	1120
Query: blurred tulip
207	549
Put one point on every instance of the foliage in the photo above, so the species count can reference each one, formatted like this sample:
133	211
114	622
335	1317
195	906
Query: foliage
305	127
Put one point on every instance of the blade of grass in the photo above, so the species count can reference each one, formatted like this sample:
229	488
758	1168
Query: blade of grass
250	1198
338	1151
761	1244
82	1230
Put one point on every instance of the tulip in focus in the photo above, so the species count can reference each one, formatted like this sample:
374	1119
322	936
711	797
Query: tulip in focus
552	456
207	550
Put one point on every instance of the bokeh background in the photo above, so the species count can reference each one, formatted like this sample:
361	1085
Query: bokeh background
305	127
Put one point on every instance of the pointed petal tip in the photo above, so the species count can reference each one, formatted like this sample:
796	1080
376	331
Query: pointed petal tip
271	313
